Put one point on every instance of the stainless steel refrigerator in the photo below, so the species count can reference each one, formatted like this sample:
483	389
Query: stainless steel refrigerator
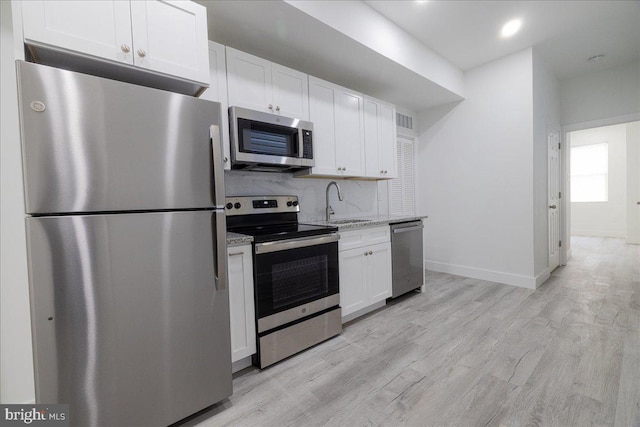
126	248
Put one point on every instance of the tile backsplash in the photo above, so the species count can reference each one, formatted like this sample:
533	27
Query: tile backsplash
361	198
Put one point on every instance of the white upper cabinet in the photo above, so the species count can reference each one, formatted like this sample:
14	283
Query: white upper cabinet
290	92
217	92
337	114
380	139
261	85
97	28
169	37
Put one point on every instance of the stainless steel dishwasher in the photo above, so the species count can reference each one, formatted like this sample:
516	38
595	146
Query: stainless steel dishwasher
406	257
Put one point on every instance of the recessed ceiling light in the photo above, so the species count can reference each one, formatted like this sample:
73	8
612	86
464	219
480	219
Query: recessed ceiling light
511	27
421	1
596	58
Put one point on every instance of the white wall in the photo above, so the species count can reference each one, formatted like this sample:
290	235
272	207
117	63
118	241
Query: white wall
605	94
607	219
16	362
476	176
633	182
546	119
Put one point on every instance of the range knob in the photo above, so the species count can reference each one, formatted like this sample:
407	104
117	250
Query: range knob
295	203
289	203
229	205
237	205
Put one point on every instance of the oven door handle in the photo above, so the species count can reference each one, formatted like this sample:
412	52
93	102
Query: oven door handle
283	245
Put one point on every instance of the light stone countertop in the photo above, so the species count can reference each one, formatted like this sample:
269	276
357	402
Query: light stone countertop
236	239
373	221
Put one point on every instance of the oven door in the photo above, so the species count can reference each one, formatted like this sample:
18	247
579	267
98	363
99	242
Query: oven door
295	278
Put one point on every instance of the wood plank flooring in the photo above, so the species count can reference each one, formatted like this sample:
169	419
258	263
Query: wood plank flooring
469	353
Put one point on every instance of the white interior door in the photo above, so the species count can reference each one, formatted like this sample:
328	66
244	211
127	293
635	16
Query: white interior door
554	197
633	183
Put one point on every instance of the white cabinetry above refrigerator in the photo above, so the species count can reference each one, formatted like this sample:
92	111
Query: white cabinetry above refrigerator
167	37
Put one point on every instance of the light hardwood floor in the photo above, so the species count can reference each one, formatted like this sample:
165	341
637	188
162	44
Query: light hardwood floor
469	353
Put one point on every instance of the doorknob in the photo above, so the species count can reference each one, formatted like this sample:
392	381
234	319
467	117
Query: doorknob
552	207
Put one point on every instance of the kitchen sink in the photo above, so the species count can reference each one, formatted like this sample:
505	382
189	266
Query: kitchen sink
348	221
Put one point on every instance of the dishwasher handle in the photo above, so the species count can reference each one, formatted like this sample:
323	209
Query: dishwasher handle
407	229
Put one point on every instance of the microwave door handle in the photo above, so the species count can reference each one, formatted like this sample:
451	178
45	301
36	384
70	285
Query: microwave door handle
217	165
300	143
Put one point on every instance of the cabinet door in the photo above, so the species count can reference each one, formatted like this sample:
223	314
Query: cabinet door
353	286
322	106
241	303
350	133
217	92
387	140
249	81
97	28
171	37
290	92
373	162
379	267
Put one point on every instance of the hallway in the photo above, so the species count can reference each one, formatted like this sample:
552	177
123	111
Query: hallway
470	353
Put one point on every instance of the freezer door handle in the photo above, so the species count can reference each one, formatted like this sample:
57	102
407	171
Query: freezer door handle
218	166
219	225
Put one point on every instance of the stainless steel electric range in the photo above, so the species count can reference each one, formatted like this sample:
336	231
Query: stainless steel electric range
295	272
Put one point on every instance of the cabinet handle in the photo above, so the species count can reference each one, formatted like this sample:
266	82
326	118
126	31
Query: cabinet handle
226	160
381	171
385	171
366	253
277	108
270	107
235	253
142	53
125	48
370	252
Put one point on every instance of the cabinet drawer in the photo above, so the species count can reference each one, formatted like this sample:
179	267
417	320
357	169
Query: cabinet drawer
363	237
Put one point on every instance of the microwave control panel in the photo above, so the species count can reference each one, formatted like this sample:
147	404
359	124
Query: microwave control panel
307	146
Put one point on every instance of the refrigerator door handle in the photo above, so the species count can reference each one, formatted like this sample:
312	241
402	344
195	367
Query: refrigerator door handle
218	166
219	231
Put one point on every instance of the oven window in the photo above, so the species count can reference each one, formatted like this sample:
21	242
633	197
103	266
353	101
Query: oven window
267	139
299	280
289	278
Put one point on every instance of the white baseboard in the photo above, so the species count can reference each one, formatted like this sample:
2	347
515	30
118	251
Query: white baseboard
598	233
518	280
241	364
363	311
542	277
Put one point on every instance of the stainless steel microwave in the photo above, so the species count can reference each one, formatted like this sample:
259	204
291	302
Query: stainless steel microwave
269	142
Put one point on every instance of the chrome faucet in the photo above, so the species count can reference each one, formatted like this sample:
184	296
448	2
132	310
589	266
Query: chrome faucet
330	211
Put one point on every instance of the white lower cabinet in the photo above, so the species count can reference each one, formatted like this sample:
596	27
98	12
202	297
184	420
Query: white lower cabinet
365	269
241	303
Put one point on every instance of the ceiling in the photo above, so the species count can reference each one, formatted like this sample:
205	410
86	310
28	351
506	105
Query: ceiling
465	33
565	33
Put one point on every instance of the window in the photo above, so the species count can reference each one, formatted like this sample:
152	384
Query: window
590	173
402	189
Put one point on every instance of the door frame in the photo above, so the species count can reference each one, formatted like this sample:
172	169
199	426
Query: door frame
565	154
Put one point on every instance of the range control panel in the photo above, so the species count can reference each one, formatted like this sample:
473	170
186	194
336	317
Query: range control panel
249	205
